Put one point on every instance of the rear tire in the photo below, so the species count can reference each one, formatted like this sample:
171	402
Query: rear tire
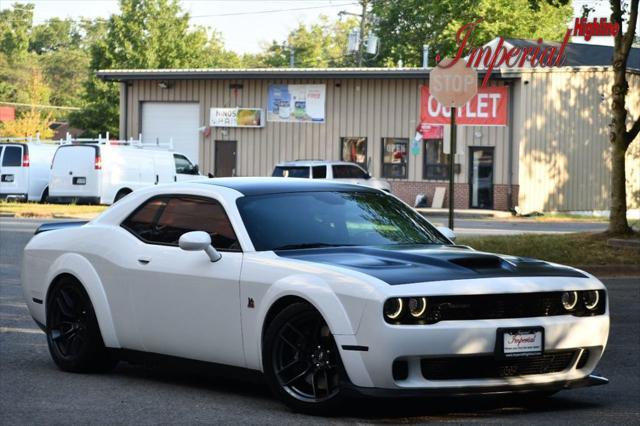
73	334
301	361
121	194
45	196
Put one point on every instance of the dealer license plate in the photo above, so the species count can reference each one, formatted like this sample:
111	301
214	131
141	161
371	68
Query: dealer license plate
516	342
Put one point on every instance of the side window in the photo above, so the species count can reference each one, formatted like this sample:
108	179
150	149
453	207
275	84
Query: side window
178	215
319	172
142	222
183	165
356	172
348	172
12	156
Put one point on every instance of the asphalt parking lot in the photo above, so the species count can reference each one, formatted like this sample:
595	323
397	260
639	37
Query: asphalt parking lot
33	391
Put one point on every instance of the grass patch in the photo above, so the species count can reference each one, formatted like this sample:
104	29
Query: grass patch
37	210
570	249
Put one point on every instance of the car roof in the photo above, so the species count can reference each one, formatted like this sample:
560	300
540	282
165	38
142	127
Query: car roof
313	163
275	185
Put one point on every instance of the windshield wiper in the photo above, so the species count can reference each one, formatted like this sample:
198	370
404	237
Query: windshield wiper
308	245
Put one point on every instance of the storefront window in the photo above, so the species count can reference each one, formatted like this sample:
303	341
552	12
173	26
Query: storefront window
354	150
436	162
394	157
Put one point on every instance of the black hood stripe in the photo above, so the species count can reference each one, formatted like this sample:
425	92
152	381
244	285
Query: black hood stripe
395	266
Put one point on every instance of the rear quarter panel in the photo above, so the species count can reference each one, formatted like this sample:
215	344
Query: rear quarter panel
69	251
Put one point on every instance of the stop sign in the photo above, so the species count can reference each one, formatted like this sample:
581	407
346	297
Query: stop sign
453	86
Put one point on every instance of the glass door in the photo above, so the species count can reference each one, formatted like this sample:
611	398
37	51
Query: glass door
481	177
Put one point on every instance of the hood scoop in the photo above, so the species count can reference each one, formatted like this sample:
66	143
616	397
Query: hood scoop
480	263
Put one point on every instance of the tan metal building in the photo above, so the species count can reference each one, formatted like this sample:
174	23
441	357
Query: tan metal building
551	154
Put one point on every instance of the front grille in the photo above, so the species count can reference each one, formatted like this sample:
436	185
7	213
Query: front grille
486	367
498	306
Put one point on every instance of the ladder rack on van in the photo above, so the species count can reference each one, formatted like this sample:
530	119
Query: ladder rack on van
30	139
136	143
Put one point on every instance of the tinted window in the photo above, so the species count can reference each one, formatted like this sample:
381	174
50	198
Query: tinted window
183	165
164	220
12	156
348	172
291	171
308	219
319	172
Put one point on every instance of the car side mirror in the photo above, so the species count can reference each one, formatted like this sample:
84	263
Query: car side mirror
367	176
199	240
195	170
447	232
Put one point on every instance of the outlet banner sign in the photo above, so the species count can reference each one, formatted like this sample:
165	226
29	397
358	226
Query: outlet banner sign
296	103
489	107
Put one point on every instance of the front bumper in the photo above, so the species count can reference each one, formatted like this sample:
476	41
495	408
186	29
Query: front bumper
590	380
417	344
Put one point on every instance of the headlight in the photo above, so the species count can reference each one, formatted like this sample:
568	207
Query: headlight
393	308
569	300
417	306
591	299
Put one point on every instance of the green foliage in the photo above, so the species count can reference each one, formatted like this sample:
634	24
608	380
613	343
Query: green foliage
408	24
319	45
54	35
146	34
15	25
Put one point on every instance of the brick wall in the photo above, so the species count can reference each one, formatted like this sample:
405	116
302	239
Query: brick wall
408	190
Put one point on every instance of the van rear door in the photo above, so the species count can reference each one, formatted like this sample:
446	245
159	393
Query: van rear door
14	170
76	172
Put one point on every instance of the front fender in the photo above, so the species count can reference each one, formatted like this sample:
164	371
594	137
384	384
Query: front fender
319	293
342	313
78	266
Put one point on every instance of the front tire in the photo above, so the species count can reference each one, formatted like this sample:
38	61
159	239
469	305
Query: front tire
301	361
73	335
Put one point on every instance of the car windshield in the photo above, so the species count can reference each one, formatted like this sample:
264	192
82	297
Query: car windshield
330	219
291	171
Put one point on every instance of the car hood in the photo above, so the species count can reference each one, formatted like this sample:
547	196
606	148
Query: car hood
410	265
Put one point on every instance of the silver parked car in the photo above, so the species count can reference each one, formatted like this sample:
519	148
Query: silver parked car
342	171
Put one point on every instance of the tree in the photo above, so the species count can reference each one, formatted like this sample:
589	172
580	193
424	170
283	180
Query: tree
146	34
621	137
318	45
54	35
33	121
15	27
408	24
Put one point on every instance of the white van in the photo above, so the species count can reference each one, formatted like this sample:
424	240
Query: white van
102	173
24	170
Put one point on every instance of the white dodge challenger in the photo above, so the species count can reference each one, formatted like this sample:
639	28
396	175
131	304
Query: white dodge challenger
328	289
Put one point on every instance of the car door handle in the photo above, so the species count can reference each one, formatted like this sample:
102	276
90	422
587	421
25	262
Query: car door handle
144	260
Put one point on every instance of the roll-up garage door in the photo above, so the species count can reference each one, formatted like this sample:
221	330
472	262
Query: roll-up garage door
179	121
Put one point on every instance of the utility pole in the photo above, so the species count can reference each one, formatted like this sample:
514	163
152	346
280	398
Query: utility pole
363	24
363	27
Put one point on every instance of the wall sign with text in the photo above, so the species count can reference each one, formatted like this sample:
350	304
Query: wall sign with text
236	117
488	108
296	103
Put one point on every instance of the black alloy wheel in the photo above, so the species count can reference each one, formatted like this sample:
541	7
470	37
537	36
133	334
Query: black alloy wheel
302	362
73	335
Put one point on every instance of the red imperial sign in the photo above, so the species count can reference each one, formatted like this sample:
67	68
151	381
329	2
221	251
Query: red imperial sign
487	108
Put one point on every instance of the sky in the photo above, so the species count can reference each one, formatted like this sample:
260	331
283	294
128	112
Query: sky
246	25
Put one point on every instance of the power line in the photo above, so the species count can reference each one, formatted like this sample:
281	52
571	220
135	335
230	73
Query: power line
259	12
40	106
